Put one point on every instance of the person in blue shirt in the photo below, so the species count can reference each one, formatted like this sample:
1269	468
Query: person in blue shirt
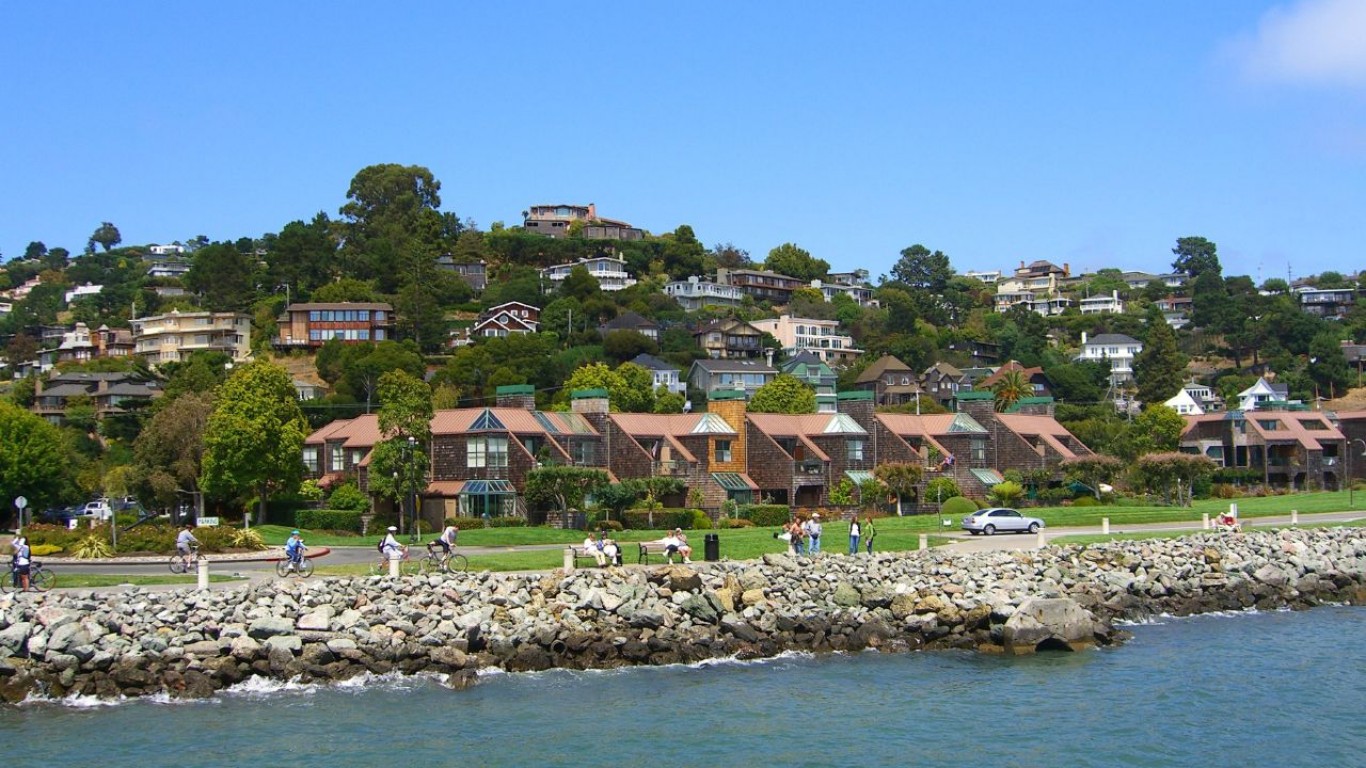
294	548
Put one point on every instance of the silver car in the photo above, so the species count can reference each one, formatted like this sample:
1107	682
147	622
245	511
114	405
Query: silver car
993	519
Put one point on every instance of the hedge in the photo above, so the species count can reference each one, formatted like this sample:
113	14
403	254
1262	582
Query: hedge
766	514
328	520
663	519
958	505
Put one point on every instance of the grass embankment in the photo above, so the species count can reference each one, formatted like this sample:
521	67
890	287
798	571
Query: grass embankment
894	533
1097	538
116	580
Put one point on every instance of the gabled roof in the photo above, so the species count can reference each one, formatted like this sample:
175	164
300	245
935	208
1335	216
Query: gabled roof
652	363
734	366
676	424
785	424
302	307
1046	428
629	321
881	366
1290	426
728	325
944	369
1027	373
1108	339
931	424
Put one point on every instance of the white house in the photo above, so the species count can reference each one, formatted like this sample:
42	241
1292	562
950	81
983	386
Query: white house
665	375
1260	394
80	291
1116	348
610	272
1099	305
696	293
1185	404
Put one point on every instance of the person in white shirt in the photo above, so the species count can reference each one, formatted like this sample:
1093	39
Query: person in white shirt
677	542
446	540
611	551
591	546
185	539
390	547
812	529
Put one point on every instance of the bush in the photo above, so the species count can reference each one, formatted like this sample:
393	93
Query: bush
958	505
42	550
1086	501
660	519
766	514
701	521
507	522
328	520
92	547
465	523
608	525
735	522
348	496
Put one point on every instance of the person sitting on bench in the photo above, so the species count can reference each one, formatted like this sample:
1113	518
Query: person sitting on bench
591	546
676	542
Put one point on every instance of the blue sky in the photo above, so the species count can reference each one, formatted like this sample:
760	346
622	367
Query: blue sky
1079	132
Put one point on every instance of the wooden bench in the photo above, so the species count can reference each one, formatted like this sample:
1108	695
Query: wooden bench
587	557
648	548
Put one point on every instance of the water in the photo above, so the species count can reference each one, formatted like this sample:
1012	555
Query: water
1275	689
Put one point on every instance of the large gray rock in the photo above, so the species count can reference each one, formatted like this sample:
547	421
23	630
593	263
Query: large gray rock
1048	624
270	626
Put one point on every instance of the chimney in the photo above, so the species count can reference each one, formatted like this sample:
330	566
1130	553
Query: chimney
521	396
592	212
857	405
1066	269
768	355
980	405
593	405
730	404
1083	338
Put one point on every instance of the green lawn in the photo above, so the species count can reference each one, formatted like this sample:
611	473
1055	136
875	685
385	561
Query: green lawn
114	580
1138	535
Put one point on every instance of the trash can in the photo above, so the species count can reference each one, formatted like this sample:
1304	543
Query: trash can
711	545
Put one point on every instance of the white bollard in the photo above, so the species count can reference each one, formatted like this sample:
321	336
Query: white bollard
1105	526
1041	542
393	567
1204	522
1294	517
204	573
924	541
1233	509
568	559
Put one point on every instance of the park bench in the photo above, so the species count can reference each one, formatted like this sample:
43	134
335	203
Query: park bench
648	548
580	553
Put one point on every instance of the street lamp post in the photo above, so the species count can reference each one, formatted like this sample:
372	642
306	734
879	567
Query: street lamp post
1351	481
412	488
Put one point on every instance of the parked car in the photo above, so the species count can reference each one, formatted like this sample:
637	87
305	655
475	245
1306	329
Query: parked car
993	519
98	509
58	515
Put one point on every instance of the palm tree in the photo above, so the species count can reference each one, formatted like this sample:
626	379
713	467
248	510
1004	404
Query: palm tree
1010	388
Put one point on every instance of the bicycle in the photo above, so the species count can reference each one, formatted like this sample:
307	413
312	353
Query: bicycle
183	563
40	579
286	567
440	562
406	566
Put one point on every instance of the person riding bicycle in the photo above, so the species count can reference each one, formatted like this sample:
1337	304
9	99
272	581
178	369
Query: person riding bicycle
446	540
22	559
389	547
294	548
185	540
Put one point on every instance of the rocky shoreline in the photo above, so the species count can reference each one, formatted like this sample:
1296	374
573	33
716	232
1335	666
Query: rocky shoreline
191	644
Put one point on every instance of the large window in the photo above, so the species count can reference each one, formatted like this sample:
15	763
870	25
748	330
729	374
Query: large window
335	460
855	448
979	450
311	460
483	451
723	450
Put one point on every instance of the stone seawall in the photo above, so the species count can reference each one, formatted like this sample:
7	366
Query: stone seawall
191	644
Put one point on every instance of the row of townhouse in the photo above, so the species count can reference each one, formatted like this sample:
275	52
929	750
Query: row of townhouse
480	457
1292	449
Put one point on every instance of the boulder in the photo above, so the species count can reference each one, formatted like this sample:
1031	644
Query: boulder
1048	624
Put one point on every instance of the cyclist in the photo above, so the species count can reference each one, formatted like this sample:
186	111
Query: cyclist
294	549
446	540
185	540
21	562
389	547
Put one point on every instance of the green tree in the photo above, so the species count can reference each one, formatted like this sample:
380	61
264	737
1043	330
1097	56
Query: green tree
391	222
168	455
1010	389
1156	429
398	464
622	345
346	289
222	275
254	438
302	256
842	495
1328	366
1093	470
1174	474
106	235
1007	493
785	393
33	463
1195	256
563	486
902	479
788	259
1160	368
668	402
920	268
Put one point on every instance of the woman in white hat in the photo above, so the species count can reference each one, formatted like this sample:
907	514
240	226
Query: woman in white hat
390	547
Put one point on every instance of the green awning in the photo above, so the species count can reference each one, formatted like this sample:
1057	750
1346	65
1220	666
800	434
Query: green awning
733	481
859	476
987	476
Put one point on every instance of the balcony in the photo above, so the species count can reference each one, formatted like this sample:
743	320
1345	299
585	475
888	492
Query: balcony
671	468
808	468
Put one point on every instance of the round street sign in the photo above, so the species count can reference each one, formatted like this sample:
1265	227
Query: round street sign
20	502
